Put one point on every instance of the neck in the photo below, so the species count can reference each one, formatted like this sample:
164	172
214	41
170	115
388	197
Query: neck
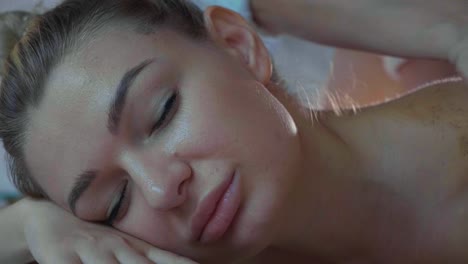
334	210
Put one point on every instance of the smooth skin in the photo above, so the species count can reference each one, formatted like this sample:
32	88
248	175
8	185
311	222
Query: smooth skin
372	208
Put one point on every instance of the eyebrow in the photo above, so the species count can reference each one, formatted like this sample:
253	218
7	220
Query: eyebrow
118	103
85	179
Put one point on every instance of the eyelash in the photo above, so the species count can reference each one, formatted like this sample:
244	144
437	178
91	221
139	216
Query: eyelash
168	109
116	209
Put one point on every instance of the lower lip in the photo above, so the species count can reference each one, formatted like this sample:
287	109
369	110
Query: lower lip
224	213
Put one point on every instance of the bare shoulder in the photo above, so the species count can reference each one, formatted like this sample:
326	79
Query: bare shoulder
415	138
418	145
452	93
433	106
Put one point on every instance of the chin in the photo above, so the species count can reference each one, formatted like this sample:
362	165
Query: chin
256	227
256	224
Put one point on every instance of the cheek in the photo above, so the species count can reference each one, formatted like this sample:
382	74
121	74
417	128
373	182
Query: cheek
204	125
197	134
216	117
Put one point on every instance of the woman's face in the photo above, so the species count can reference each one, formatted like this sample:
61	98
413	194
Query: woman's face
160	126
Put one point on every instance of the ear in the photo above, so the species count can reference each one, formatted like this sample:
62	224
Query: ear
230	31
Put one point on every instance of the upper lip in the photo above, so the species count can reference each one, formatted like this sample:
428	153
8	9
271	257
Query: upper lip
206	208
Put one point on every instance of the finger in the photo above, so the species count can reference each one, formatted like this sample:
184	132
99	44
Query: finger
98	252
60	258
111	249
156	255
165	257
97	257
126	254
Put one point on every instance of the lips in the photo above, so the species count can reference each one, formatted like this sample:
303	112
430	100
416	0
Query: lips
216	211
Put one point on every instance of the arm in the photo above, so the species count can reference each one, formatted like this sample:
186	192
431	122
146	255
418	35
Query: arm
41	231
407	28
13	245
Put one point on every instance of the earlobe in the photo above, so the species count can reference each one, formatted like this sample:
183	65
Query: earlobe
230	31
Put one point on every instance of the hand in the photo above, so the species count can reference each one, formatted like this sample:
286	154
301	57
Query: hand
55	236
406	28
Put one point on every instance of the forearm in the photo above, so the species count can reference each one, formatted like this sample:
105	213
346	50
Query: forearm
13	245
413	29
306	19
283	16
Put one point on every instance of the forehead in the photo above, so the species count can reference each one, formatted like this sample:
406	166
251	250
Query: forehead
68	132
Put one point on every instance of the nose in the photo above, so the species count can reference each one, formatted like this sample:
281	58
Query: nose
162	179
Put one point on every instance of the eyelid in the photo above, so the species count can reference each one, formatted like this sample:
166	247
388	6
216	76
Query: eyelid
125	203
116	197
159	123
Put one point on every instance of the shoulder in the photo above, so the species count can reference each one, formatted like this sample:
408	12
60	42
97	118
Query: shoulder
418	144
440	92
440	102
417	137
429	126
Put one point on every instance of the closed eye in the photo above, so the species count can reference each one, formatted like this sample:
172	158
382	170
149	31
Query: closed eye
169	109
115	209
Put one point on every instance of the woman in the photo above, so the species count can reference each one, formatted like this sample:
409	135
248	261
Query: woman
172	129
